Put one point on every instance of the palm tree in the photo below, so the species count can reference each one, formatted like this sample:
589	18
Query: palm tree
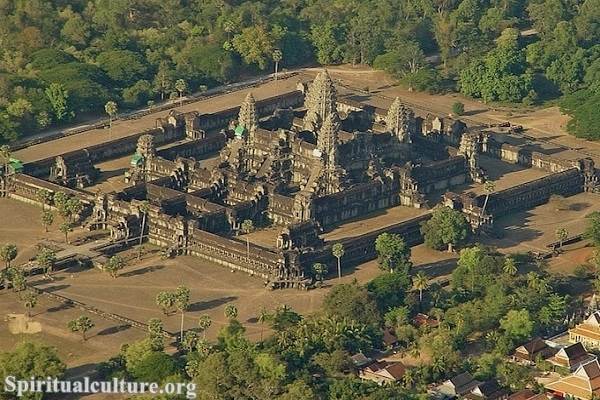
82	325
204	322
535	281
46	259
231	311
111	109
489	188
182	302
510	266
247	227
65	228
17	279
8	253
143	209
114	265
277	56
338	252
44	196
263	316
166	301
181	87
420	283
29	299
561	234
492	338
408	380
47	219
320	271
228	27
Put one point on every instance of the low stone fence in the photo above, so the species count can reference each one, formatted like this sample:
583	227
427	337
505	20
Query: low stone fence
103	314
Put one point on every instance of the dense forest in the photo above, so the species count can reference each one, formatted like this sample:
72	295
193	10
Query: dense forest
60	59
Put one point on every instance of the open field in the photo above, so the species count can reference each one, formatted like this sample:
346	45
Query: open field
20	224
103	341
532	230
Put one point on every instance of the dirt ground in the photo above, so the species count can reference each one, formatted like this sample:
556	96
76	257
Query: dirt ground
20	224
532	230
52	317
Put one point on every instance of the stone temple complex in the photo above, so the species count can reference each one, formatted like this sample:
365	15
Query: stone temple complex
303	162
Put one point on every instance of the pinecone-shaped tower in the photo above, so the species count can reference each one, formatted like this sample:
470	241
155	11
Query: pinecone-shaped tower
320	101
470	148
400	121
327	141
248	118
145	147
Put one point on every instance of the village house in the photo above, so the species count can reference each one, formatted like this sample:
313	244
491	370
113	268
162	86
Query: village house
489	390
421	320
458	386
588	332
390	340
359	360
571	357
527	394
529	352
583	384
382	372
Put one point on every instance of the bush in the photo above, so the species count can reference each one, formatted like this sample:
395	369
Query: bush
458	108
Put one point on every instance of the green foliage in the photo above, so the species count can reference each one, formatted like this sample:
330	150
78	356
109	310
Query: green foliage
517	325
501	74
389	290
255	45
31	359
113	49
458	108
81	324
352	301
153	367
582	106
124	67
114	265
138	94
592	229
393	254
46	258
8	253
447	228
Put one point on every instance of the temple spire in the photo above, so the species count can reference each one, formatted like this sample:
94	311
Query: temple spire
400	121
327	138
320	101
248	119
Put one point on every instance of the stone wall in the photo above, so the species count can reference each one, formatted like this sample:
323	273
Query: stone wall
220	120
25	188
361	199
525	157
196	149
441	175
109	150
534	193
361	248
